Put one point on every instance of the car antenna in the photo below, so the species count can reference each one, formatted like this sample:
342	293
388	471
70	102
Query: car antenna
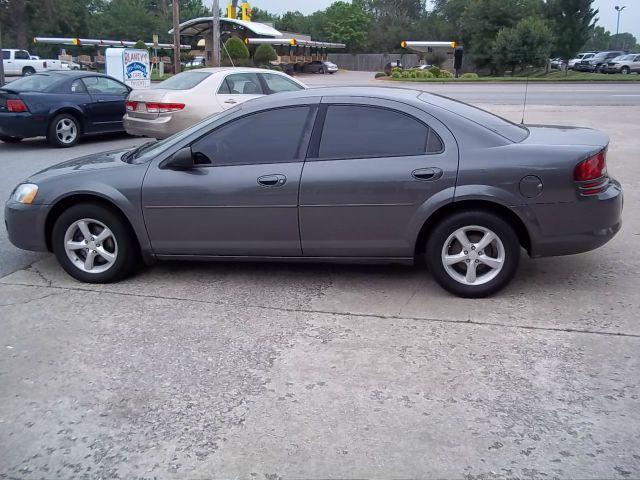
524	106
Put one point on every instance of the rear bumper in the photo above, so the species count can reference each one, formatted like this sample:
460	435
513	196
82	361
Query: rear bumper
161	127
24	125
576	227
25	225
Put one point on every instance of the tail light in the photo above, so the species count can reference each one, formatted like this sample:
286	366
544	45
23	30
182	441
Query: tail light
131	105
153	107
16	105
591	174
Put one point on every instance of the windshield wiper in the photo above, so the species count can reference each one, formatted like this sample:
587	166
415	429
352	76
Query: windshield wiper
133	154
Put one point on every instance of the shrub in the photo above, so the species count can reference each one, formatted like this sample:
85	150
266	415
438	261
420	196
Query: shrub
380	74
141	45
396	69
427	74
437	58
405	74
235	49
264	54
435	71
277	68
414	74
471	75
445	74
395	74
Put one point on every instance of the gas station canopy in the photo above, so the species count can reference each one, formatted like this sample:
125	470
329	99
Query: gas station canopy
294	42
424	47
203	25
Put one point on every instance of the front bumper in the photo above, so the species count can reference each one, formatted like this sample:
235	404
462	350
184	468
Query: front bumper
584	68
22	124
576	227
25	225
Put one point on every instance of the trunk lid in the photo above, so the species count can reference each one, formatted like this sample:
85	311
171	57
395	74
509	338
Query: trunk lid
560	135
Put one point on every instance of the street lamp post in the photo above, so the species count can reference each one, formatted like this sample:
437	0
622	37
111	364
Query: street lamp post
619	10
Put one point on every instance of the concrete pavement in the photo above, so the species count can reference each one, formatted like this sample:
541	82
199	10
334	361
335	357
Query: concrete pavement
327	371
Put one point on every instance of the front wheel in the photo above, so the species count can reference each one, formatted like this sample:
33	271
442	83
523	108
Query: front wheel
27	71
473	254
625	70
94	244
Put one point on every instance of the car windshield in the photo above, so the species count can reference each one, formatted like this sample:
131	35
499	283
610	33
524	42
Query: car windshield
149	150
183	81
34	83
626	58
501	126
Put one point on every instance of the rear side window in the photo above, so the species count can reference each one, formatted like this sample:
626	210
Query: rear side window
34	83
354	131
279	83
274	136
78	87
183	81
241	84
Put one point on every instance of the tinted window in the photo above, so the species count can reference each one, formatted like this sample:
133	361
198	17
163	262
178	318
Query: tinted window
352	131
241	84
274	136
22	55
183	81
6	55
78	87
280	83
35	83
104	85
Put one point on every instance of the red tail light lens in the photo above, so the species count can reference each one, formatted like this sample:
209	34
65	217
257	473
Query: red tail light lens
153	107
131	105
591	168
591	174
16	105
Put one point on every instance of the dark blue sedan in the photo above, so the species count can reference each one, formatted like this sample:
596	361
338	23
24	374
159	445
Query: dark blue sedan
62	106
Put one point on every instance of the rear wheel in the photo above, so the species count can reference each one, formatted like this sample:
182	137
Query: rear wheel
94	244
26	71
321	71
64	131
473	254
7	139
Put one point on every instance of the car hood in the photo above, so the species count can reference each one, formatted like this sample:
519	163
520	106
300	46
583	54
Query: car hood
96	161
560	135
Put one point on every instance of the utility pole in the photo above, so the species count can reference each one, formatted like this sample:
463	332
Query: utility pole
176	36
215	31
619	10
1	60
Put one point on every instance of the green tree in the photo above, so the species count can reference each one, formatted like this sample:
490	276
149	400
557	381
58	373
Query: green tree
528	43
140	44
293	22
347	23
264	54
599	40
572	22
623	41
261	15
235	49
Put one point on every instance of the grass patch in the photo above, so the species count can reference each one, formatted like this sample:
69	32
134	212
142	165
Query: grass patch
158	78
540	76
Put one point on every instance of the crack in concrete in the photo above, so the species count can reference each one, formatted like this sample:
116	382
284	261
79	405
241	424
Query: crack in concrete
346	314
25	302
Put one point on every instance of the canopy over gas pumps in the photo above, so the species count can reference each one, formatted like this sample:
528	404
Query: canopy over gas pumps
424	47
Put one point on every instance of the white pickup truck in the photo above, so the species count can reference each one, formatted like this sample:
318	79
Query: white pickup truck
20	62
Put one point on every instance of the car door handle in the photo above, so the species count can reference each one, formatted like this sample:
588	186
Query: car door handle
427	174
272	180
231	101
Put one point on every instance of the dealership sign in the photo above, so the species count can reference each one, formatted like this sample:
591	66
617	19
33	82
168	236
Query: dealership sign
130	66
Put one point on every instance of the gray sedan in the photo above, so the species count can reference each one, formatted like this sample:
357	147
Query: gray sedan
331	174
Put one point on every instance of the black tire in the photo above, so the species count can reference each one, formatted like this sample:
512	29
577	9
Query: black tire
26	71
127	254
439	237
321	71
625	70
7	139
52	135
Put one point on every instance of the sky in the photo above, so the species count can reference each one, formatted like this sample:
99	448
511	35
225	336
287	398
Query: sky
629	19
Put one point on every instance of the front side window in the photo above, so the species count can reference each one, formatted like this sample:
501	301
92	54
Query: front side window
22	55
278	83
78	87
6	55
104	85
274	136
241	84
354	131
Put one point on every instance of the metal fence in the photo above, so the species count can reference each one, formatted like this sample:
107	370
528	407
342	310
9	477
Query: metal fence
375	62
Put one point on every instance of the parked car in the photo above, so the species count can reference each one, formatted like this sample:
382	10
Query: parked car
581	56
598	62
20	62
390	66
426	66
195	62
186	98
70	65
320	67
557	63
62	106
342	174
625	64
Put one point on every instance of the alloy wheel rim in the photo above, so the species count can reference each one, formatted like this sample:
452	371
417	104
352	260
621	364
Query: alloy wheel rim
473	255
90	245
66	130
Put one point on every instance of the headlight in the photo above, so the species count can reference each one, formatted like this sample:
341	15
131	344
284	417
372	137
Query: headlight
25	193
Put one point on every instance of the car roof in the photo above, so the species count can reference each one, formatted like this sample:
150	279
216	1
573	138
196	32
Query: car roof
233	69
73	73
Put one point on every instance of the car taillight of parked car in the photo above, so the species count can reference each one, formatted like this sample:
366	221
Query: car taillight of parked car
591	174
16	105
164	107
131	106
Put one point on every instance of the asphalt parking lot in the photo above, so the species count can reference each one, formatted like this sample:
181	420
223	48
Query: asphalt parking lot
272	371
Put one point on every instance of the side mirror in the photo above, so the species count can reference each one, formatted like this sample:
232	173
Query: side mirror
181	160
